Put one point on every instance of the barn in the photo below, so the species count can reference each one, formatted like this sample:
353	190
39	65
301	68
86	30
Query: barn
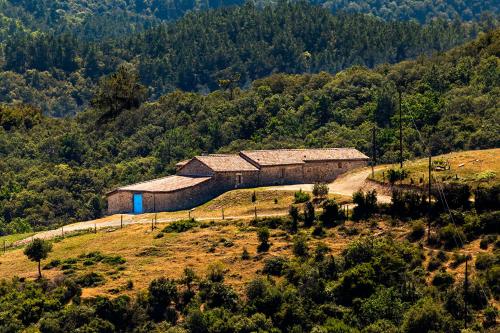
204	177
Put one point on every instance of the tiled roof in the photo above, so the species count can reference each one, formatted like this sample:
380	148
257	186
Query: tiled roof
300	156
166	184
222	163
182	163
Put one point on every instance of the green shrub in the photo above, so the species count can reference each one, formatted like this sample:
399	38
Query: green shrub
159	235
485	261
487	198
273	222
457	196
245	255
442	279
458	258
417	230
366	205
490	316
301	197
300	246
181	226
394	175
309	214
52	264
275	266
451	237
263	237
114	260
434	263
91	279
320	190
331	215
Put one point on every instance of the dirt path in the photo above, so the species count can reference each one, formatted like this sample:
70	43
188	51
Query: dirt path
345	185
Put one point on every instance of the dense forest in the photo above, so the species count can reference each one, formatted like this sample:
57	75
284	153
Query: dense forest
55	171
58	70
97	19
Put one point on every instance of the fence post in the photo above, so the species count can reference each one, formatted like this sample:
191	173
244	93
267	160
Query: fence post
62	231
255	211
4	246
223	213
152	224
95	228
121	221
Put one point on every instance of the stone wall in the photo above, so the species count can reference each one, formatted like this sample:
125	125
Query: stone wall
277	175
195	168
327	171
120	202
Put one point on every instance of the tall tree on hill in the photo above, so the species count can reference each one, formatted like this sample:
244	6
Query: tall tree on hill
37	250
119	91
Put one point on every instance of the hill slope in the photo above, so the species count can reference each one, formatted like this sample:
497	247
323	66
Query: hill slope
451	99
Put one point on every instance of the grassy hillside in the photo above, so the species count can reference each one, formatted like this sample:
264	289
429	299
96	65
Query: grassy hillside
474	167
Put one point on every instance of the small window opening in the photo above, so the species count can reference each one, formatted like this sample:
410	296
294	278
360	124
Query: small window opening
282	173
340	165
238	179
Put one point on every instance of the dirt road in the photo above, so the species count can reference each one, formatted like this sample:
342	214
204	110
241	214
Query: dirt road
344	185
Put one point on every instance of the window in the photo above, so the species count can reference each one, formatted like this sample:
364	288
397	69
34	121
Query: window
282	175
238	179
340	165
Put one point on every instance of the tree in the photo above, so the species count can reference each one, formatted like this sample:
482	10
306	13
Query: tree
366	204
119	91
331	214
309	214
37	251
263	236
294	214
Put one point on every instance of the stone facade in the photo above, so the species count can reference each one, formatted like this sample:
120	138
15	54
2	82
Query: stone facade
205	177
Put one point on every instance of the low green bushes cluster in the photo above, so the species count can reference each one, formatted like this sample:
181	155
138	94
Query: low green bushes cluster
181	226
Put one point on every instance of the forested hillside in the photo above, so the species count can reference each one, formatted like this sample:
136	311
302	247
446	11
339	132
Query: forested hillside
200	52
55	171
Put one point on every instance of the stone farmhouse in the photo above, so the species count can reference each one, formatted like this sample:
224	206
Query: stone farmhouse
204	177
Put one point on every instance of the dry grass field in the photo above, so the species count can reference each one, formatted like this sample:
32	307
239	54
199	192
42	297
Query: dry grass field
148	257
473	167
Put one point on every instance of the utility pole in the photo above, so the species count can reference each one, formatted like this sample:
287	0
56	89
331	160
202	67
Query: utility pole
430	201
400	133
466	288
374	157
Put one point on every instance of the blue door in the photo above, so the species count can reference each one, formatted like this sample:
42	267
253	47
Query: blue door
138	203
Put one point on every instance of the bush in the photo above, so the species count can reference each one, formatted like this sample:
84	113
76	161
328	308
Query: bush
408	204
270	222
300	197
458	259
451	236
366	205
91	279
159	235
417	230
263	237
275	266
483	244
294	215
489	222
320	190
245	255
490	316
427	316
442	279
300	246
485	261
309	214
487	198
331	215
434	263
181	226
457	196
394	175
